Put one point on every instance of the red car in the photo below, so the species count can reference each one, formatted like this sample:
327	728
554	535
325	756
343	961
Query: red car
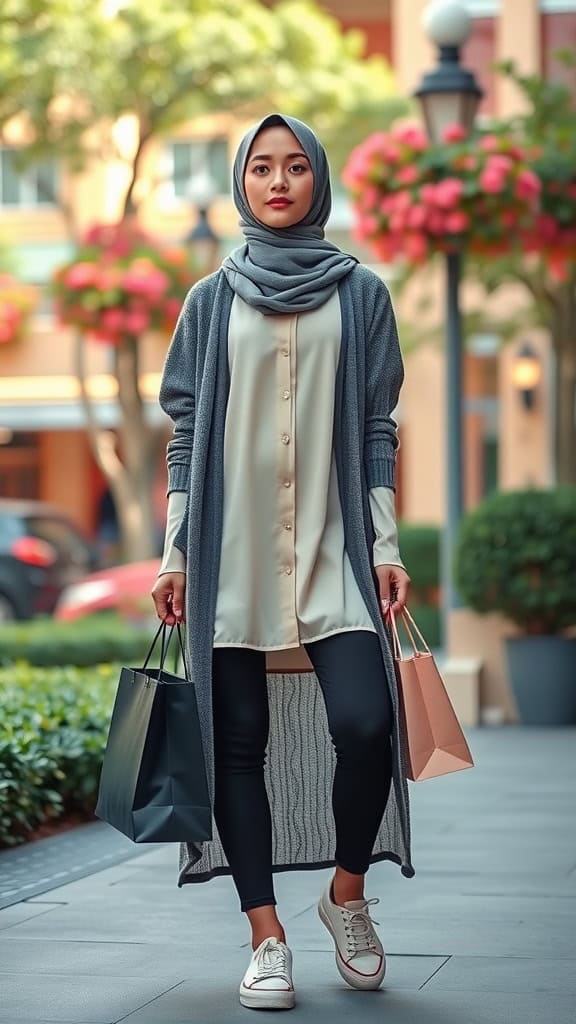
123	588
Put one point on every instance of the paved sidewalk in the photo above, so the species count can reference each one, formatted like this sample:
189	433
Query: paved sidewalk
484	934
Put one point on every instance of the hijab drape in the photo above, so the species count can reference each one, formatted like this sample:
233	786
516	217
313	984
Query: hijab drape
286	270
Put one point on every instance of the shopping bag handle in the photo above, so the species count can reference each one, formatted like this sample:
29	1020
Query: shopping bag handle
409	625
165	645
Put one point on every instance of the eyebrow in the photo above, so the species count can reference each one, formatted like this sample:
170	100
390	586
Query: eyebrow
290	156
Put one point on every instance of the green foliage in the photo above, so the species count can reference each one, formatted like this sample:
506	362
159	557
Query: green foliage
516	554
53	729
419	546
90	641
171	62
420	550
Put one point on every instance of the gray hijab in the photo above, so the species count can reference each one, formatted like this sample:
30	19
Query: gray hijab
286	270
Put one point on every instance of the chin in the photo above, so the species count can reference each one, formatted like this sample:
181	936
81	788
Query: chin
279	218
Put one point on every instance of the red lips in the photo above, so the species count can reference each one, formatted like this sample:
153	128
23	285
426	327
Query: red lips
279	204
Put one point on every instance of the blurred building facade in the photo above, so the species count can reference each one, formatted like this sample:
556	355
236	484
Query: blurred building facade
44	452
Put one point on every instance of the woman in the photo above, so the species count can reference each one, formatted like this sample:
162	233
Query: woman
280	380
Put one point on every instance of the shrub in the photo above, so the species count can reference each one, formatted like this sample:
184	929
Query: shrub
419	547
516	554
90	641
53	730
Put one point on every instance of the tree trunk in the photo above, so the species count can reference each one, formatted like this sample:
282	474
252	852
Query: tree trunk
564	339
134	492
131	479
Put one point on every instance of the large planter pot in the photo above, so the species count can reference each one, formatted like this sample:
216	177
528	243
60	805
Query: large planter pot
542	673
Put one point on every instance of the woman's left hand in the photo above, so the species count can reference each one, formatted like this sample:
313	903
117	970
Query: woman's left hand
394	583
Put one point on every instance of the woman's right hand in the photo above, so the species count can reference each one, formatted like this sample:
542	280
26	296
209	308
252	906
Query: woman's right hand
168	596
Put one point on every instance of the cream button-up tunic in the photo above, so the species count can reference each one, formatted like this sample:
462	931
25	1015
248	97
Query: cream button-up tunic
285	576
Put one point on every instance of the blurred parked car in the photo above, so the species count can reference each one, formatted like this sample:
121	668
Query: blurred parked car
41	553
121	588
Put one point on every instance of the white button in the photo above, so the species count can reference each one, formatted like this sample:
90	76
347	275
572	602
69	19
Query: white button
285	395
284	351
287	483
287	526
285	438
288	570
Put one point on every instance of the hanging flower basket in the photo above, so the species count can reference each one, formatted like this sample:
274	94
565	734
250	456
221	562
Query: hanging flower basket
17	301
412	198
122	283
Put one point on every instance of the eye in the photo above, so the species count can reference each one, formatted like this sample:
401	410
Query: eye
260	169
299	168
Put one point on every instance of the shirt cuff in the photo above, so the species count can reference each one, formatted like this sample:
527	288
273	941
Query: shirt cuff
173	559
382	508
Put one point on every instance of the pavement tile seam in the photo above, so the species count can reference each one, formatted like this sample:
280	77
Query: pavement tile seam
150	1002
435	972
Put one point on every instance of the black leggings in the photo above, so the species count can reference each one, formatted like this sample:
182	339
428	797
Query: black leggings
351	673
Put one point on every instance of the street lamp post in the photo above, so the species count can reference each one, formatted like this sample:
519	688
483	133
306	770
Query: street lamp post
202	240
449	94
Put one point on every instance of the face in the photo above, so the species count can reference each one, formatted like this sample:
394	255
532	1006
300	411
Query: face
278	179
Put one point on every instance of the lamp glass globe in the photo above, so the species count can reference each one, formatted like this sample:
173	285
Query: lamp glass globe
447	22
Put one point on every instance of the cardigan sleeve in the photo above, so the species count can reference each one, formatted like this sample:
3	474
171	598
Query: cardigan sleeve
384	378
177	396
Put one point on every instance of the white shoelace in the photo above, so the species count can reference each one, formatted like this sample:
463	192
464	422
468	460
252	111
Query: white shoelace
272	961
359	927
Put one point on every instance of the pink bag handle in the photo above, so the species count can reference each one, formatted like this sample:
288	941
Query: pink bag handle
409	624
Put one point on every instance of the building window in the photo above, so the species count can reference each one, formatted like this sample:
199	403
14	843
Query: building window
189	158
35	186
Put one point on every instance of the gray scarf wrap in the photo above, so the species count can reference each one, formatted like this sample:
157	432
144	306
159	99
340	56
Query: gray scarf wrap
286	270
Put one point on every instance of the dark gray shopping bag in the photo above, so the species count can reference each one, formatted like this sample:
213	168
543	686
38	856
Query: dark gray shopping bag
153	785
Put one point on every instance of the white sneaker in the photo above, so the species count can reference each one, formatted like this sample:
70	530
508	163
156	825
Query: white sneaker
359	953
267	984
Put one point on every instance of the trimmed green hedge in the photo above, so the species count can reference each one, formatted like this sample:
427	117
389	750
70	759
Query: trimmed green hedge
53	729
91	641
420	550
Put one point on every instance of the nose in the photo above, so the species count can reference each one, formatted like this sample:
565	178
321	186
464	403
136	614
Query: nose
279	182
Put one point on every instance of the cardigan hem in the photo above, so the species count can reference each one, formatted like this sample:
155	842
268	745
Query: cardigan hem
406	869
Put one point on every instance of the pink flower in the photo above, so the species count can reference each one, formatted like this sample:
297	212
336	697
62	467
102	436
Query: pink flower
417	216
489	143
172	308
436	222
384	249
454	133
492	181
143	278
448	193
411	135
390	153
408	175
369	225
428	194
402	201
415	247
456	222
80	275
499	164
528	185
547	228
113	320
357	168
399	220
137	322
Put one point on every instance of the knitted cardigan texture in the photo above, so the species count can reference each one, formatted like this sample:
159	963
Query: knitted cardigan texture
194	389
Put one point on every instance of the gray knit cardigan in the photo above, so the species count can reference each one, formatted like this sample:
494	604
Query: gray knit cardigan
193	392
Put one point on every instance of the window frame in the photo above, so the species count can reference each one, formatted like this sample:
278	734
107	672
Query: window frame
29	197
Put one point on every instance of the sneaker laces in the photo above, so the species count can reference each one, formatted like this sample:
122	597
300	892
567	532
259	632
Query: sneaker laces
359	927
272	960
